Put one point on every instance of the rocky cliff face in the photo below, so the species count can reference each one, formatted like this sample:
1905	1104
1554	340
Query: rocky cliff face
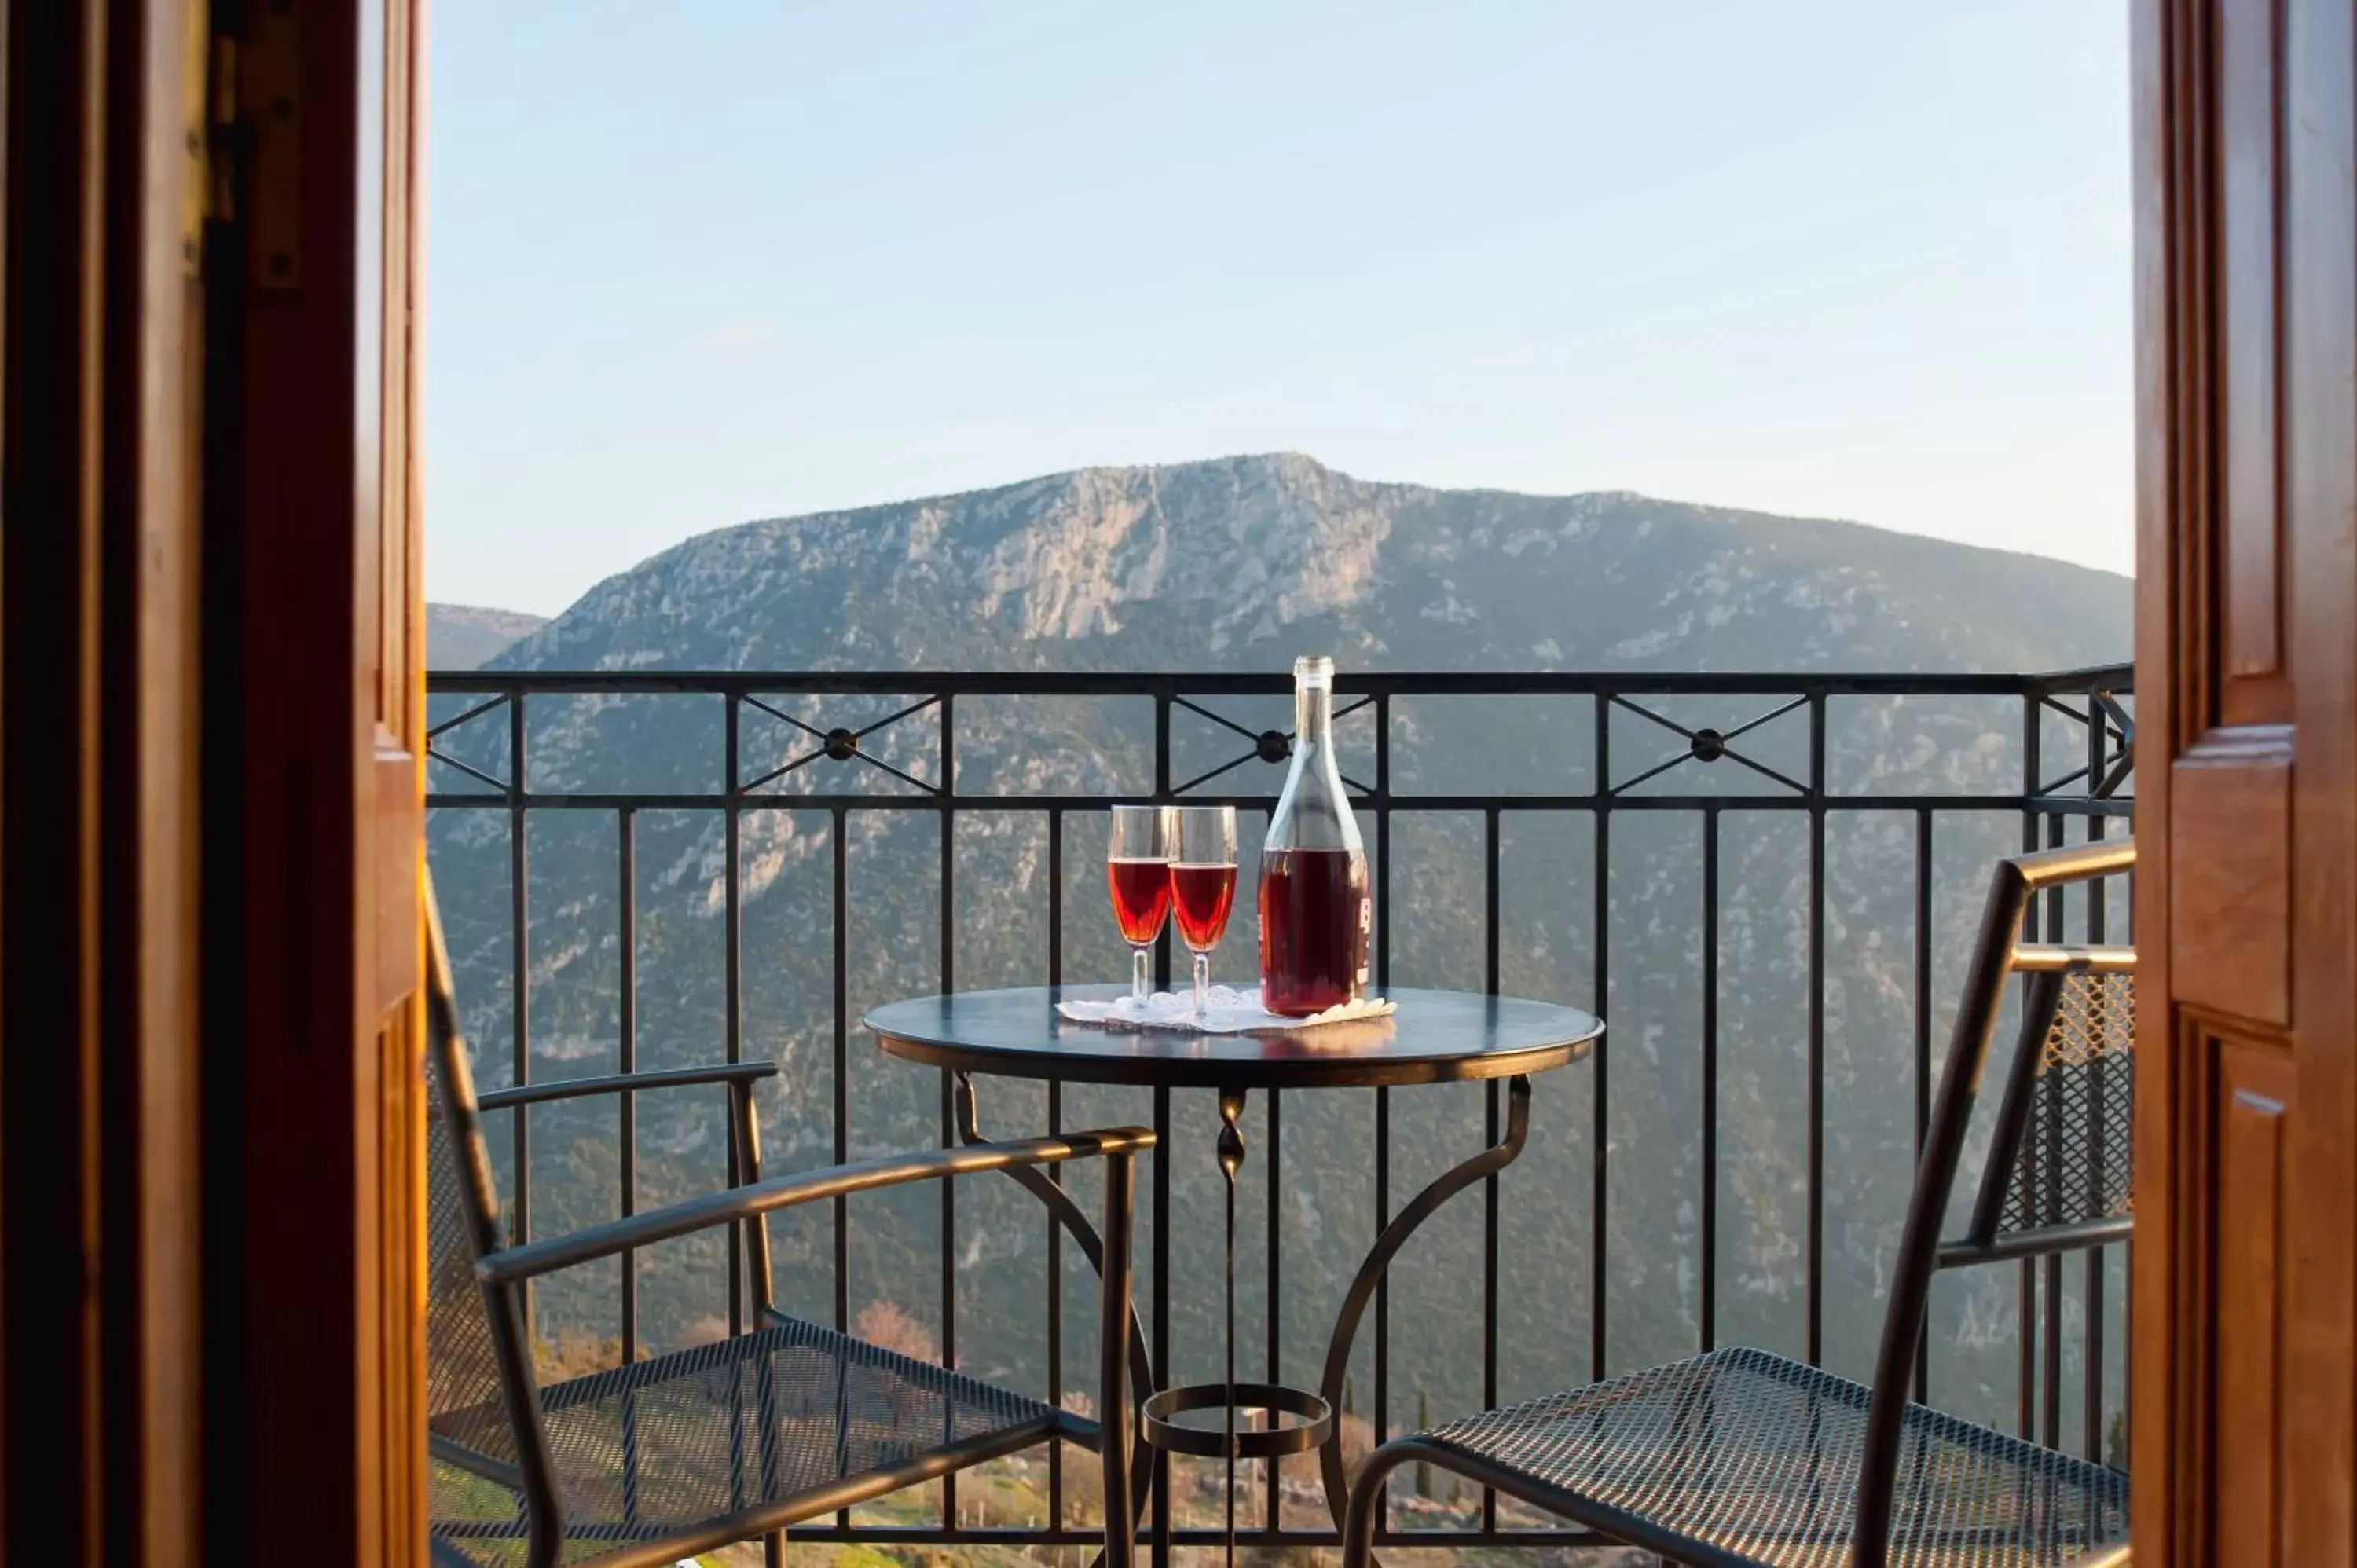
1240	564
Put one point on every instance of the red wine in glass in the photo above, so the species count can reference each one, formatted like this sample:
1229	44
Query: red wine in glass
1203	885
1201	897
1315	916
1141	897
1137	870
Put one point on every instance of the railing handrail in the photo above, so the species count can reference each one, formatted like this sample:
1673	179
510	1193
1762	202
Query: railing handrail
2113	678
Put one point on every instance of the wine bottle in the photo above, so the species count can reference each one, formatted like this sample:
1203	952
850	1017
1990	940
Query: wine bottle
1316	911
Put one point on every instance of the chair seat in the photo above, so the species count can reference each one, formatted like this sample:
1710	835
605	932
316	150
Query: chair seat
1756	1458
792	1411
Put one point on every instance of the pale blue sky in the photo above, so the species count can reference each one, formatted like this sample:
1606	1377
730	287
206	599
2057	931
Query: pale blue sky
694	265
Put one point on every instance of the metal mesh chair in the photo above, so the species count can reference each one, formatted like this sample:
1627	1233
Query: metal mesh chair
1741	1458
658	1459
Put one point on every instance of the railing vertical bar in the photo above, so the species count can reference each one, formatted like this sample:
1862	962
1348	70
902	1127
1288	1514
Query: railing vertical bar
520	927
1382	893
1056	1449
839	833
2027	1393
1599	1130
1272	1515
1383	842
2052	1430
2026	1295
1816	1288
1162	793
1709	1206
948	711
733	971
1163	691
2051	1426
2097	1258
1489	1133
1922	1048
626	1018
1382	1410
1162	1310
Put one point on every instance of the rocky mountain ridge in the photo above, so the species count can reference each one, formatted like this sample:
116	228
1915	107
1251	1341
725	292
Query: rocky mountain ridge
463	636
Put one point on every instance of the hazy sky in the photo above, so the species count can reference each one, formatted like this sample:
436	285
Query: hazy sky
1863	259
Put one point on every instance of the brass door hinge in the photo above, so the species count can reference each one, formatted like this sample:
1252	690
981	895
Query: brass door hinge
196	143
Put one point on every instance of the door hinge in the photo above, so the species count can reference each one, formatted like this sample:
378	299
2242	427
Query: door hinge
196	141
221	115
263	91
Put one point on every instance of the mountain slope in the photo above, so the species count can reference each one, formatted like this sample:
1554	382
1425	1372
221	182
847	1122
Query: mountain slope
1239	564
463	636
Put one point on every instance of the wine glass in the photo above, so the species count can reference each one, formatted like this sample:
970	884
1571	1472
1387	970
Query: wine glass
1203	884
1137	870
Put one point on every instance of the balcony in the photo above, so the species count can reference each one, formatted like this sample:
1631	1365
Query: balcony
1767	885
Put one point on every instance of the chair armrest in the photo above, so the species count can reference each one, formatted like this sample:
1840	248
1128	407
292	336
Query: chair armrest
513	1264
616	1083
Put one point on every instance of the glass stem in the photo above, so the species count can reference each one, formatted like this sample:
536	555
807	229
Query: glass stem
1141	972
1203	982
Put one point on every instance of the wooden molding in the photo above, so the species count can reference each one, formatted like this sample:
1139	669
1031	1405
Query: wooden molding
2230	894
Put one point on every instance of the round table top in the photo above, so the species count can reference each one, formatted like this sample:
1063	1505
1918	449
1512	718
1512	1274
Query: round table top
1435	1037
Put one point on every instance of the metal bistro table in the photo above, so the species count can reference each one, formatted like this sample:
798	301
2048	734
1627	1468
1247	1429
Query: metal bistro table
1435	1037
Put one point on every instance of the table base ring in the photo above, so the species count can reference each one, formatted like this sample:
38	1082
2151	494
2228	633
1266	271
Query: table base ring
1311	1431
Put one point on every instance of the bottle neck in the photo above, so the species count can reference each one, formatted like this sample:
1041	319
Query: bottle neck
1313	715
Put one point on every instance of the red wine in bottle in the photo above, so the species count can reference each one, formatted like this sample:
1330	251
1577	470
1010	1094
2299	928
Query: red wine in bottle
1141	897
1315	914
1201	897
1314	909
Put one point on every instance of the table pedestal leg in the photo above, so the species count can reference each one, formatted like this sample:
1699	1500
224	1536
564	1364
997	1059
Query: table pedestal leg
1298	1420
1232	1159
1488	1163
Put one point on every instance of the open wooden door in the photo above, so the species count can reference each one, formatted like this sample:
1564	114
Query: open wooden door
316	607
2245	1322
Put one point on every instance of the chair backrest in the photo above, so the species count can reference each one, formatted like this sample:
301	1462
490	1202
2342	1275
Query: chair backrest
2058	1174
490	1453
2060	1170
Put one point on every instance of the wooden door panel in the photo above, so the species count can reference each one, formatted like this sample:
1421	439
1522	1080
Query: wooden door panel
2230	840
2249	114
2253	1111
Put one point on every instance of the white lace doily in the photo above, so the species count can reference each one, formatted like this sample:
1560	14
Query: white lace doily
1226	1012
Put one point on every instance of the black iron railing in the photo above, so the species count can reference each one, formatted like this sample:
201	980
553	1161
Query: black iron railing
1754	770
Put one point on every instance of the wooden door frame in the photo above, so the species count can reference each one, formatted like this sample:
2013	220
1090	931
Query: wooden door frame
100	710
307	1446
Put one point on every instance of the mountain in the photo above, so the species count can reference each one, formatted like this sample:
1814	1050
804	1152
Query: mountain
1239	564
465	637
1234	564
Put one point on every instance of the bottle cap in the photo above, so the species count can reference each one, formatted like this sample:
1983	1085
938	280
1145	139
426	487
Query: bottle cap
1316	669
